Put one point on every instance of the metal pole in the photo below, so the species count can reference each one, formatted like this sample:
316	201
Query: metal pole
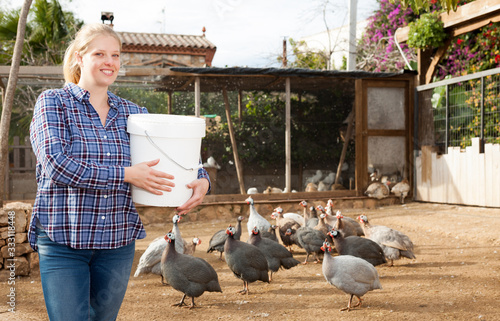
481	135
447	124
288	148
351	58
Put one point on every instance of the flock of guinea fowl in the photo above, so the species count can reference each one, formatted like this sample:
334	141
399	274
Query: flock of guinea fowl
360	247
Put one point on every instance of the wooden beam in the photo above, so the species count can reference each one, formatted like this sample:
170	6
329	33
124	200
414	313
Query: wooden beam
288	147
240	106
424	58
169	102
237	163
350	122
431	70
466	15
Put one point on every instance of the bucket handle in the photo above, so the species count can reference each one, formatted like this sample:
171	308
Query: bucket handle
165	154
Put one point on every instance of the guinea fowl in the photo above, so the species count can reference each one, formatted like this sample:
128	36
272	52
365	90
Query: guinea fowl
179	247
277	255
270	234
394	243
295	216
332	219
310	240
188	274
378	190
350	274
190	248
255	219
245	260
401	189
311	217
358	246
150	259
219	238
345	226
283	225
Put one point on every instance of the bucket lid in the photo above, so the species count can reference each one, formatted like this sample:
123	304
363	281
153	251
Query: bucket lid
162	125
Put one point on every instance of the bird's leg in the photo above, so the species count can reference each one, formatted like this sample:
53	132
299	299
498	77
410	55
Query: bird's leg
392	263
245	288
220	257
359	302
305	261
317	258
348	308
193	305
180	303
402	198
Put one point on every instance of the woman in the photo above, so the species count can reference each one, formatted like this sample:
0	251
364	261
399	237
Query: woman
84	223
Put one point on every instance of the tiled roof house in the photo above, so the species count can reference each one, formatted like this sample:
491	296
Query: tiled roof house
166	50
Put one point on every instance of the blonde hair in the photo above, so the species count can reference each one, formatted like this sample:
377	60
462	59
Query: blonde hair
80	44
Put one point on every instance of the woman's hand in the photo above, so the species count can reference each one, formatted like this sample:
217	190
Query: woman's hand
200	187
144	176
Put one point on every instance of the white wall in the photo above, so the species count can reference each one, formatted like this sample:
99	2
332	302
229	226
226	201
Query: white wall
339	41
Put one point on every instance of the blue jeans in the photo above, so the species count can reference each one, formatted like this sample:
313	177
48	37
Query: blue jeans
83	284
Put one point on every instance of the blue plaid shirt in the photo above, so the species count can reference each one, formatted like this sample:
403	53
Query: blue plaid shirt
82	200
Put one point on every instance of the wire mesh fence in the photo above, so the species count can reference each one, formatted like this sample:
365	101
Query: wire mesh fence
462	108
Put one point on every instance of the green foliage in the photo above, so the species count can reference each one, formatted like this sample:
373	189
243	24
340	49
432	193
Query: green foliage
426	32
48	31
306	58
424	5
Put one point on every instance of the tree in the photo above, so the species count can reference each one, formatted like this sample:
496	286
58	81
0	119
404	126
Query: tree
9	94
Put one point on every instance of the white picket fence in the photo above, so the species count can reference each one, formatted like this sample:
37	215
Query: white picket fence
459	177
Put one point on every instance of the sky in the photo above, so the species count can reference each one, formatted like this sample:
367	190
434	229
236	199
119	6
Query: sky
245	32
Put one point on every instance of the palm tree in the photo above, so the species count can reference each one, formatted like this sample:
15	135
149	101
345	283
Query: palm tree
9	94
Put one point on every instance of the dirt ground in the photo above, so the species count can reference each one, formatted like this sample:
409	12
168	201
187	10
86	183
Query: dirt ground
454	277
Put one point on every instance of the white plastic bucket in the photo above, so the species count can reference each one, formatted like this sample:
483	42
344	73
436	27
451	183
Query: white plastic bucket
176	141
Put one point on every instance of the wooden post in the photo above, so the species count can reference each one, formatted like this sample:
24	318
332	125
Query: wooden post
237	163
197	97
348	135
169	102
240	107
288	149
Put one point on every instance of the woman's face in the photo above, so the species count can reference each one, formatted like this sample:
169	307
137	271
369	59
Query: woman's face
100	63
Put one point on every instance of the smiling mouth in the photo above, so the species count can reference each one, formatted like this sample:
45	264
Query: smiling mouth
108	72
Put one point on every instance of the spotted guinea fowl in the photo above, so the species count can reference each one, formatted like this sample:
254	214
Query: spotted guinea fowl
277	255
255	219
350	274
401	189
188	274
219	238
394	243
331	219
179	247
346	226
270	234
245	260
358	246
310	240
283	225
150	259
190	248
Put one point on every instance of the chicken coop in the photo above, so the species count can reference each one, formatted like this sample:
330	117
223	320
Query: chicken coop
277	129
371	138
